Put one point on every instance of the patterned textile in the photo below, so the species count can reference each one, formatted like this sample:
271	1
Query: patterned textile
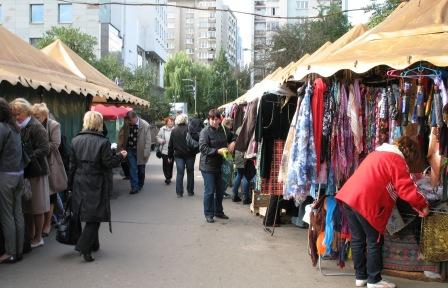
317	112
133	135
402	253
257	167
355	112
302	161
271	185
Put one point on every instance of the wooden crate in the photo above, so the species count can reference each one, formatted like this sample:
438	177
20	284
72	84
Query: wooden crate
258	201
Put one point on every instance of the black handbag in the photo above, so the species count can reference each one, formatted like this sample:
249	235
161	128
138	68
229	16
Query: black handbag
158	152
68	229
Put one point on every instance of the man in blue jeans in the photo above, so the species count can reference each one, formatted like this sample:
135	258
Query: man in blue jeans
135	138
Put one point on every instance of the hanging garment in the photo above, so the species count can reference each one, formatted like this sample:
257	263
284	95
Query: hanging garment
317	110
302	161
384	104
238	116
283	173
437	108
317	224
444	95
354	107
329	228
248	128
329	112
273	121
271	185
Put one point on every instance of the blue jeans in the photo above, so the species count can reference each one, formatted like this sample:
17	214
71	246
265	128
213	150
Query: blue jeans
245	188
181	163
136	172
213	194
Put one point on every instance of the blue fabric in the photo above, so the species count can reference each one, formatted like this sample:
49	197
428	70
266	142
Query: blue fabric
213	194
136	172
181	164
241	179
302	161
331	183
329	228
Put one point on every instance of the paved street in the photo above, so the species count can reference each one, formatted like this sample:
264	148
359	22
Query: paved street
161	241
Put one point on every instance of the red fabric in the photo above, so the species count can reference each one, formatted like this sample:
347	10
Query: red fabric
271	185
317	109
374	187
111	112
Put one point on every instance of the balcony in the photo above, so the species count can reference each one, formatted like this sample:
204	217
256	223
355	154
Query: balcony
211	20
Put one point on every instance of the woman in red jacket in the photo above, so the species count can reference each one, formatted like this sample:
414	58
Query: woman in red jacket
369	196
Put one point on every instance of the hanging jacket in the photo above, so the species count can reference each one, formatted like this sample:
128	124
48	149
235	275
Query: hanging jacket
381	178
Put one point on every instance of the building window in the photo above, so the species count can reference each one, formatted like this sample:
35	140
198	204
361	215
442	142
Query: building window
33	41
65	13
302	5
190	51
37	13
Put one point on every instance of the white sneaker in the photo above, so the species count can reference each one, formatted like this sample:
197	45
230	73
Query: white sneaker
360	283
382	284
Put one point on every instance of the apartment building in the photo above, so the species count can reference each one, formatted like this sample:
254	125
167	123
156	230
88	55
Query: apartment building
136	34
265	27
202	33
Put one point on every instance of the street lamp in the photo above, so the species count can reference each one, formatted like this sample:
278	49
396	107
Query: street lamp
193	86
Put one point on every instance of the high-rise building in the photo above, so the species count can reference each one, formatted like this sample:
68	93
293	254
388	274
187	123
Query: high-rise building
264	27
136	34
202	33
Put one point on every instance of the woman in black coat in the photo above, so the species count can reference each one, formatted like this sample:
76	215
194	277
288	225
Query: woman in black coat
90	179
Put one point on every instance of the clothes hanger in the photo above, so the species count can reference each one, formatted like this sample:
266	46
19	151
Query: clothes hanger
420	71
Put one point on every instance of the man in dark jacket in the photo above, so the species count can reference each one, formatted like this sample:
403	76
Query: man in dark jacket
183	156
90	179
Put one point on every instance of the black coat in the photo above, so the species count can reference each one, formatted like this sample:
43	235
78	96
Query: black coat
90	176
210	141
177	146
36	149
10	149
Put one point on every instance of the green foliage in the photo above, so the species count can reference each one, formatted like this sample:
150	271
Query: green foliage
223	82
243	77
381	11
295	40
138	82
83	44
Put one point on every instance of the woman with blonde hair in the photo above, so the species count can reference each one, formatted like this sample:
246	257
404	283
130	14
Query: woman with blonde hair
90	180
36	149
57	176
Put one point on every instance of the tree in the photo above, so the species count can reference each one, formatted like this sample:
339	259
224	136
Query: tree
83	44
290	42
223	81
243	77
138	82
381	11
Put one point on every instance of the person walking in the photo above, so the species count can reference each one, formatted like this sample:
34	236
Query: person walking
37	148
369	196
163	138
91	180
135	138
240	179
57	176
11	179
183	155
213	144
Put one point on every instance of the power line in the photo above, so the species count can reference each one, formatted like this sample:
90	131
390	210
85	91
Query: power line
213	9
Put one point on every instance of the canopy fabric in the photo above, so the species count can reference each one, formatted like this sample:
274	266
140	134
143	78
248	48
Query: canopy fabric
289	73
327	50
66	57
416	31
111	112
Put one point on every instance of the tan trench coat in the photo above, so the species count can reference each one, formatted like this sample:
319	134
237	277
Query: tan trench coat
55	163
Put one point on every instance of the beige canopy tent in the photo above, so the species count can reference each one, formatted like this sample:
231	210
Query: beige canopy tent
416	31
106	88
328	49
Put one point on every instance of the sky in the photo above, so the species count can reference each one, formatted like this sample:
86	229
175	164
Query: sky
245	22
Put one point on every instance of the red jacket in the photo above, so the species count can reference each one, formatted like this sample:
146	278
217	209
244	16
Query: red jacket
372	190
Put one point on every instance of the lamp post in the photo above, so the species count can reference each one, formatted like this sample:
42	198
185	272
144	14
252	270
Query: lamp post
194	90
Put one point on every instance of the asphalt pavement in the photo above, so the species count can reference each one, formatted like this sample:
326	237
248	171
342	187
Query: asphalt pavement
161	241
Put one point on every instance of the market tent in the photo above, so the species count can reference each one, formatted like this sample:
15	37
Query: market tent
111	112
416	31
289	73
21	63
66	57
305	62
326	51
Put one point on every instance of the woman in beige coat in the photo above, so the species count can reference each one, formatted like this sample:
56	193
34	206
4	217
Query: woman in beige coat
57	176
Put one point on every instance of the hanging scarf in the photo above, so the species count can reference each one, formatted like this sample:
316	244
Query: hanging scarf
329	227
354	106
302	160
